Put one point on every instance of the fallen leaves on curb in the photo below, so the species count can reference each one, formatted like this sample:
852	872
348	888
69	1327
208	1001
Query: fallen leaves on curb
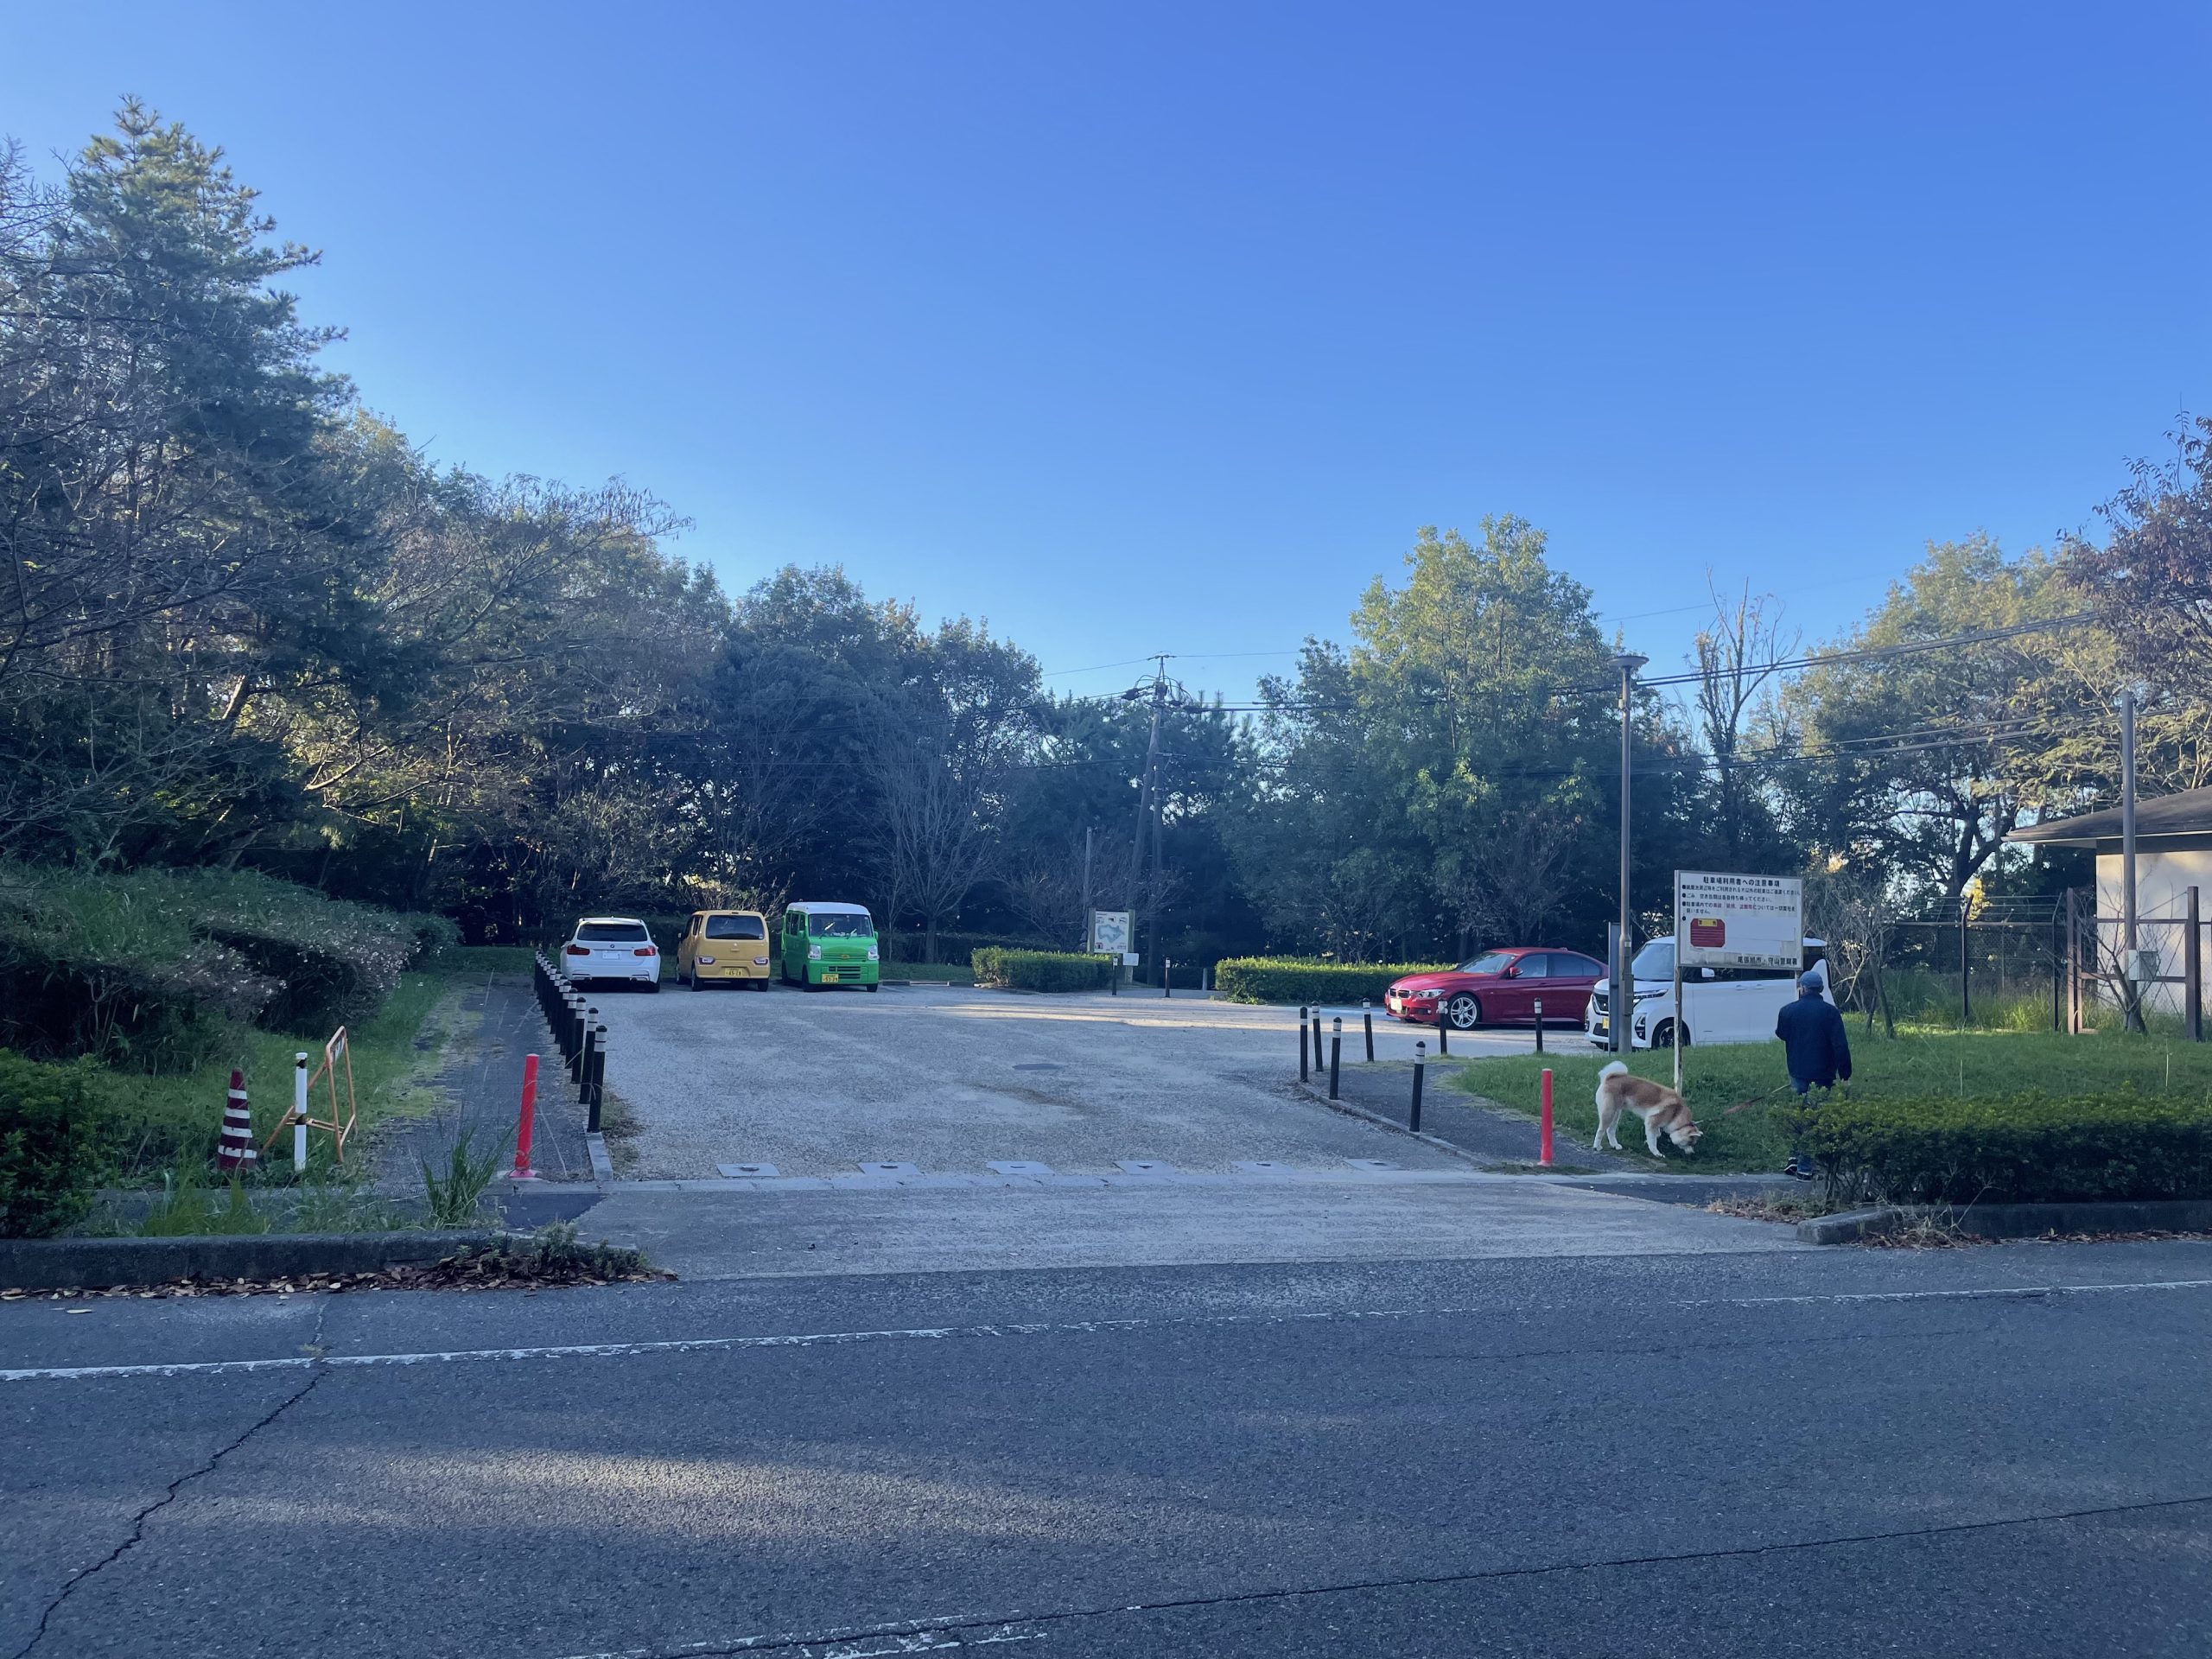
523	1265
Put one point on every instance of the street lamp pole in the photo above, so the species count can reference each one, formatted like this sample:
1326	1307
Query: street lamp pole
1624	984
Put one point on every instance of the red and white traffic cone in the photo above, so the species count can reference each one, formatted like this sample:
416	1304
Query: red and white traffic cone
235	1151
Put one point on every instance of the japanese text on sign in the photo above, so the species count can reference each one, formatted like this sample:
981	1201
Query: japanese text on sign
1739	921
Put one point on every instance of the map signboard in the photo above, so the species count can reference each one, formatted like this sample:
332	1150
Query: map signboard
1739	921
1110	930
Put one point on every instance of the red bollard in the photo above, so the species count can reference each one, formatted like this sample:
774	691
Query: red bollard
523	1171
1544	1143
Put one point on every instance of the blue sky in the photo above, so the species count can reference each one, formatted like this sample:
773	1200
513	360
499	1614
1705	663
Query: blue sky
1161	328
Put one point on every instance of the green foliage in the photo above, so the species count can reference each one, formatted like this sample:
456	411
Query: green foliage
1308	979
50	1145
189	1206
556	1250
1741	1096
149	969
173	1120
454	1193
433	940
2019	1149
1042	970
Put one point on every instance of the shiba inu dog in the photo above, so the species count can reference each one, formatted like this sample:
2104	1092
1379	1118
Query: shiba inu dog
1663	1112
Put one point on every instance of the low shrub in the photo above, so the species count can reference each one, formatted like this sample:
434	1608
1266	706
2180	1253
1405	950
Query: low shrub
1042	970
432	939
146	969
50	1156
2017	1150
1307	979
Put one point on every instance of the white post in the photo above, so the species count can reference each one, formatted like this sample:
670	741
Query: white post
299	1113
1676	1025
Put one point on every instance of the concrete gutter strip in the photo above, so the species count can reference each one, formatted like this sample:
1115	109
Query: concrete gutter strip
96	1263
2016	1220
1321	1098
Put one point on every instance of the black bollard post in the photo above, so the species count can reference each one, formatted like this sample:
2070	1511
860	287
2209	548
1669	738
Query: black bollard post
1367	1019
598	1077
1336	1052
1443	1034
1167	975
1421	1065
583	1071
1540	1025
1302	1072
1320	1062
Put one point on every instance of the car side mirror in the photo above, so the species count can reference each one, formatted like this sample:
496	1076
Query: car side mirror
1512	970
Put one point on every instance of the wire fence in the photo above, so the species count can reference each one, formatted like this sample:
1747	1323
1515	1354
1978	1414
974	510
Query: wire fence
2042	963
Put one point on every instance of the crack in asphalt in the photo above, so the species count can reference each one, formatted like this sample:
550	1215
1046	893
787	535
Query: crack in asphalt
316	1372
1021	1626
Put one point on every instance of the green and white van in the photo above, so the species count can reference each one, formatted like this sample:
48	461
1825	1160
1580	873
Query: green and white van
829	944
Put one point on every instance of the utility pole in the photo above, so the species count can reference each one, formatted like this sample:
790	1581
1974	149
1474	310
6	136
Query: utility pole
1087	940
1149	807
1617	1032
2132	992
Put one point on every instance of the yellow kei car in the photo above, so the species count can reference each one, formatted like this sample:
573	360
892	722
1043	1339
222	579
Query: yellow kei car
723	944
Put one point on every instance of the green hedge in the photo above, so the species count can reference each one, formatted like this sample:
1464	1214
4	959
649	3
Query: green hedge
1307	979
2021	1149
146	969
49	1146
1041	970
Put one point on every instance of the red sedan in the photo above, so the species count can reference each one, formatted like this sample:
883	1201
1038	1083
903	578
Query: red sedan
1499	988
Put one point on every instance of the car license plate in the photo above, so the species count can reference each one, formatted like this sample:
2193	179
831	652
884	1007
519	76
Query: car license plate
829	979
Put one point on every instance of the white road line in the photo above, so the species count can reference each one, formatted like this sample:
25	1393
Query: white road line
959	1333
1989	1294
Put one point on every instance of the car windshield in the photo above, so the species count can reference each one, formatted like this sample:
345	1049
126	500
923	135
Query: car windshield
735	927
613	933
1490	961
1655	961
862	926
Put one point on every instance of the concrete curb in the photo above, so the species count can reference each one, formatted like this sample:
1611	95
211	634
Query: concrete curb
1852	1225
602	1166
96	1263
2015	1220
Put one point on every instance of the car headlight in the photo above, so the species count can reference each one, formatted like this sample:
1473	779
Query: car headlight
814	953
871	953
1424	996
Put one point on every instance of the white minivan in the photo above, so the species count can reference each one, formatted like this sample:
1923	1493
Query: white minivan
1720	1005
612	947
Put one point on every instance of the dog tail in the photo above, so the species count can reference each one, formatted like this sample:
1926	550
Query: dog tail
1617	1069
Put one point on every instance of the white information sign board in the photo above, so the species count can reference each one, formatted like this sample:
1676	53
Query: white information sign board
1110	930
1739	921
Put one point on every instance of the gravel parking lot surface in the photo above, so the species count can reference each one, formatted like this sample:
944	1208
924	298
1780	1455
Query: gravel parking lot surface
953	1079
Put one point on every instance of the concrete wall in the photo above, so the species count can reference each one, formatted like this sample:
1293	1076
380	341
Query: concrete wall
2162	884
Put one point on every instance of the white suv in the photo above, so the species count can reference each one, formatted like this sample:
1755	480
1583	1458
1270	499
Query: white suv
1725	1005
612	947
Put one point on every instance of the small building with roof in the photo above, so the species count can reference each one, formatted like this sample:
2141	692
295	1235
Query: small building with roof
2173	853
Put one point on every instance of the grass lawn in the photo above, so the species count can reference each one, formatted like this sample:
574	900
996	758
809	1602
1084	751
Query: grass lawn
1741	1094
162	1119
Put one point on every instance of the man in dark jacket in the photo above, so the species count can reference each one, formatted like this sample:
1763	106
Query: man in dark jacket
1814	1048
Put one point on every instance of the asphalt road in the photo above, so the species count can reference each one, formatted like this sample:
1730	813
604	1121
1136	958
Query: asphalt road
1994	1450
954	1079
